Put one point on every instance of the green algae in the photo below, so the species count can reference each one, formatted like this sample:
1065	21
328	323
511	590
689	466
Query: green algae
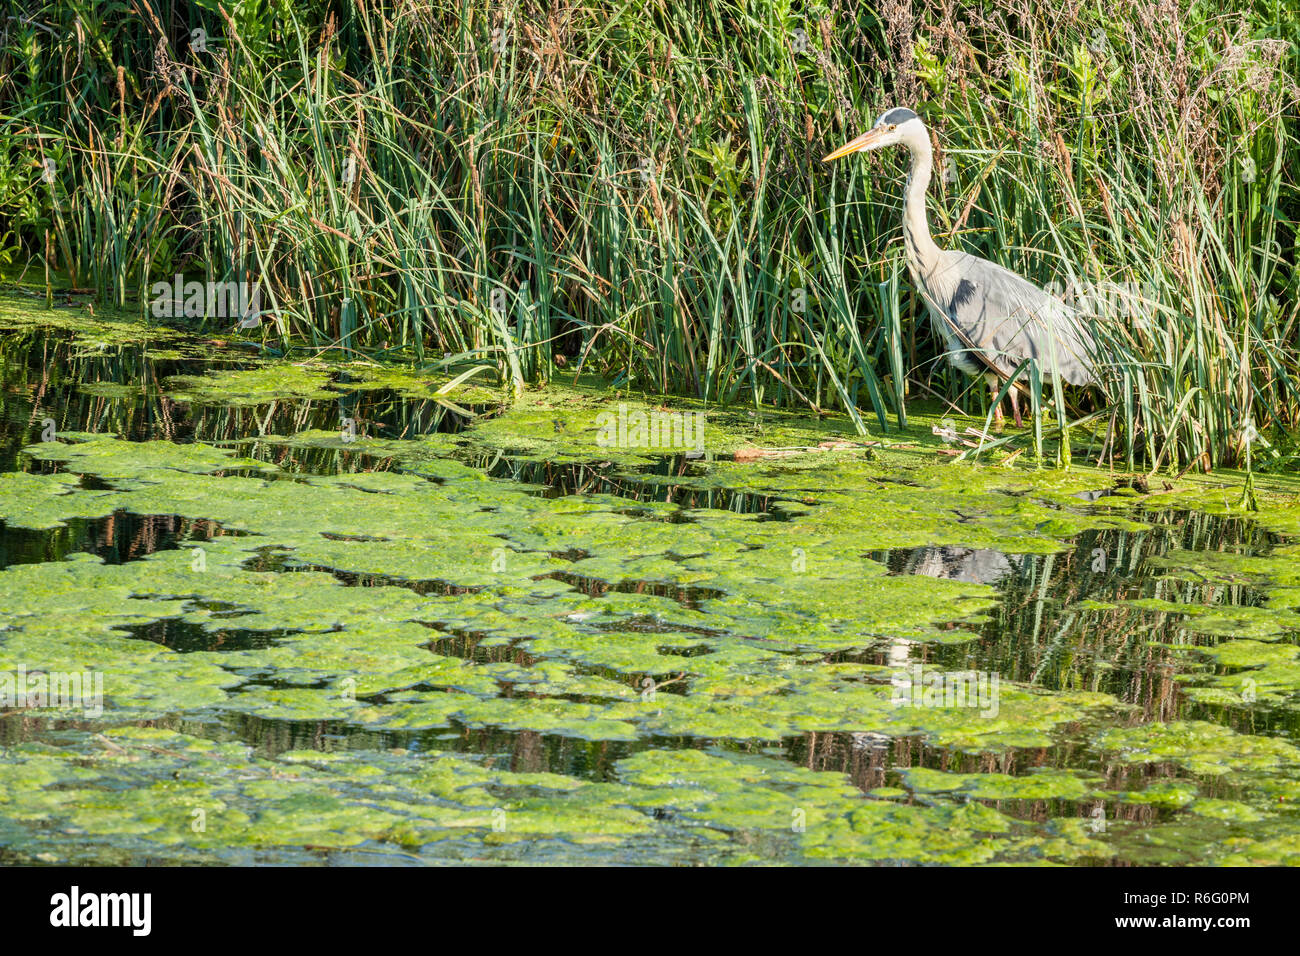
1199	746
256	386
432	601
829	820
114	460
320	381
1169	794
97	328
169	791
36	501
472	386
1049	784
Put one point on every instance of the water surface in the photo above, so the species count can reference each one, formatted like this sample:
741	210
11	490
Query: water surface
341	617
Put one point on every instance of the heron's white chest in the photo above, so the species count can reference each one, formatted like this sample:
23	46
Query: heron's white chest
955	350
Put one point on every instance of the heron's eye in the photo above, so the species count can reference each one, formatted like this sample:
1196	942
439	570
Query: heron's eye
892	126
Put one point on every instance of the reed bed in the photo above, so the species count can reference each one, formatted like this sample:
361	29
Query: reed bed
635	190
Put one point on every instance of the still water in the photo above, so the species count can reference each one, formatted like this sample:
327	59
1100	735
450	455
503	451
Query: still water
341	618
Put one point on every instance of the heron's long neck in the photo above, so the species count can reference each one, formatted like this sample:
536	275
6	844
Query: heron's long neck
922	253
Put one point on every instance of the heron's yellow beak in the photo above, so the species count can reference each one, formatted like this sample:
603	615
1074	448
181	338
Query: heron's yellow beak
867	140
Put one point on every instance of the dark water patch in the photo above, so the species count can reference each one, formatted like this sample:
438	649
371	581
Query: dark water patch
648	624
1095	495
652	484
572	554
364	580
695	650
275	559
763	507
120	537
891	480
268	679
583	478
184	637
677	516
483	648
270	557
284	562
221	609
518	751
688	597
320	462
477	647
381	413
875	761
387	413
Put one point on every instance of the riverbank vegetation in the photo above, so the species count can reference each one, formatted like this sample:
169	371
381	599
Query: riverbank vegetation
635	190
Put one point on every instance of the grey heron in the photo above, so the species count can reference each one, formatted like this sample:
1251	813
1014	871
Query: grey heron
990	319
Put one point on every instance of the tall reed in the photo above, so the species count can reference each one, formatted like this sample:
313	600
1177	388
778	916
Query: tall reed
636	191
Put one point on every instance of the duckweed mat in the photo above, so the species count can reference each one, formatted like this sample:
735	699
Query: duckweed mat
328	611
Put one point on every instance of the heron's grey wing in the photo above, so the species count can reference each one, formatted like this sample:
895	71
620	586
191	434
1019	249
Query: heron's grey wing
1004	319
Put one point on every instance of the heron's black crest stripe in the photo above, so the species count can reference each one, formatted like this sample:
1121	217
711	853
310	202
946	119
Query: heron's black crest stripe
900	115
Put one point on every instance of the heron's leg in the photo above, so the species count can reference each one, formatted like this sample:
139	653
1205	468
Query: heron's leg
1015	407
993	397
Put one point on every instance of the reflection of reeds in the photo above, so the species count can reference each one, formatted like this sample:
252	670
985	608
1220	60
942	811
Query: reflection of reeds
639	191
1038	636
871	767
43	373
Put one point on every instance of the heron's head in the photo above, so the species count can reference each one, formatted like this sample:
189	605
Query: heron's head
895	126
